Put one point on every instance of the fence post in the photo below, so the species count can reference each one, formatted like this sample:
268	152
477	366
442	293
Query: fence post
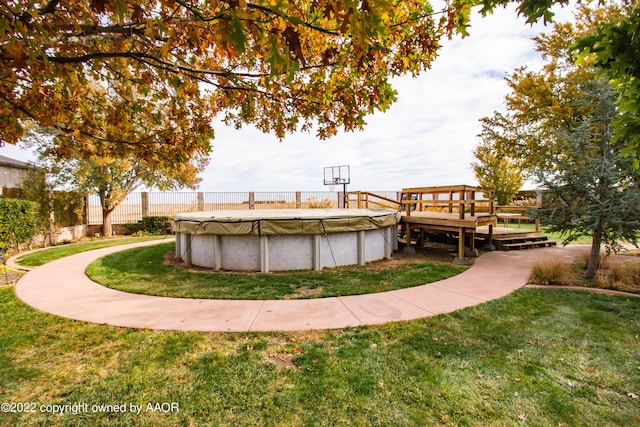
252	200
86	210
145	203
200	201
298	199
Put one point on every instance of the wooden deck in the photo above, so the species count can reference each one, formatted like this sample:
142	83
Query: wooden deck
442	222
462	211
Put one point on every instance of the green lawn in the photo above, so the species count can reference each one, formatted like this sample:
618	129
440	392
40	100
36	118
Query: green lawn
34	259
141	270
536	358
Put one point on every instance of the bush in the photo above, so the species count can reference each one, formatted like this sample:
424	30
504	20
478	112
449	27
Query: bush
312	203
18	221
553	272
149	226
132	228
156	224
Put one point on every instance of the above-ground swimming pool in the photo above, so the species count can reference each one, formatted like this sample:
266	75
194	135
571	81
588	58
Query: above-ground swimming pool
285	239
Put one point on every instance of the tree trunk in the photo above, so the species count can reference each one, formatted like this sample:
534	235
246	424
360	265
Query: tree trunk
52	218
594	256
106	222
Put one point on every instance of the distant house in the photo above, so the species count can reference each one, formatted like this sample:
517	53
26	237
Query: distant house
13	172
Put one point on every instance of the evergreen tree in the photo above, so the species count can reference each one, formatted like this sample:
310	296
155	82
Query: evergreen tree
594	188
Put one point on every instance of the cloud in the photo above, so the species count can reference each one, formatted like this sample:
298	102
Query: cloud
425	138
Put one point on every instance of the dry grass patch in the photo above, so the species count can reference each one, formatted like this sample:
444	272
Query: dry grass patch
553	272
615	272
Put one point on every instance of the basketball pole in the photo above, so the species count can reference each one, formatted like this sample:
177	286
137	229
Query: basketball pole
344	195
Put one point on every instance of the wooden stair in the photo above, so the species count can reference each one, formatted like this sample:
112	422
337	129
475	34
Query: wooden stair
522	241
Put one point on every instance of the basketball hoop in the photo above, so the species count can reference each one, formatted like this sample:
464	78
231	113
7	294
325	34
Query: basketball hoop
334	175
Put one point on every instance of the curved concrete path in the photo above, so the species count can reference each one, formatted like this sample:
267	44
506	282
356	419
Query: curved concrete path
62	288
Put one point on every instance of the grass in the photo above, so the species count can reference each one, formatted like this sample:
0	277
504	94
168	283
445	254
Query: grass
141	270
552	236
37	258
538	357
9	275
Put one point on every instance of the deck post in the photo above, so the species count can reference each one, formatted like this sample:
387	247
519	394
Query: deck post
409	249
473	203
490	246
461	259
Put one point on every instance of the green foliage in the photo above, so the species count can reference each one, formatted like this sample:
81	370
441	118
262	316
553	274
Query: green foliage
132	228
156	224
494	170
558	123
613	46
149	226
594	188
18	221
67	207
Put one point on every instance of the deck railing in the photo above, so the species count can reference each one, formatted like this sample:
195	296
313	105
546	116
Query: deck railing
367	200
459	198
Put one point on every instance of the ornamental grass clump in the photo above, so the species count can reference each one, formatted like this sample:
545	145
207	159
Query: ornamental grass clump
621	276
553	272
613	273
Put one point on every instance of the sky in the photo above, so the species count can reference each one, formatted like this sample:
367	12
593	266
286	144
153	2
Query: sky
426	138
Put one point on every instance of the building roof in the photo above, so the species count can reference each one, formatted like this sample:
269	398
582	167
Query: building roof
8	161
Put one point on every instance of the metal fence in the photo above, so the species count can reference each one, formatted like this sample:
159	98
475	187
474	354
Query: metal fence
139	204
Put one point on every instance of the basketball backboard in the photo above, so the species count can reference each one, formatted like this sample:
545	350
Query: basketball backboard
337	175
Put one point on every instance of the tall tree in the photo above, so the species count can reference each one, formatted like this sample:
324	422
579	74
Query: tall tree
558	124
278	64
111	177
593	188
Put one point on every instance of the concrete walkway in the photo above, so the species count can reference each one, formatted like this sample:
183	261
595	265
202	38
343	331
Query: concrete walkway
62	288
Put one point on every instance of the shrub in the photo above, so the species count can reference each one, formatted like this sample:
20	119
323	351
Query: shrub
132	228
553	272
18	221
156	224
312	203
